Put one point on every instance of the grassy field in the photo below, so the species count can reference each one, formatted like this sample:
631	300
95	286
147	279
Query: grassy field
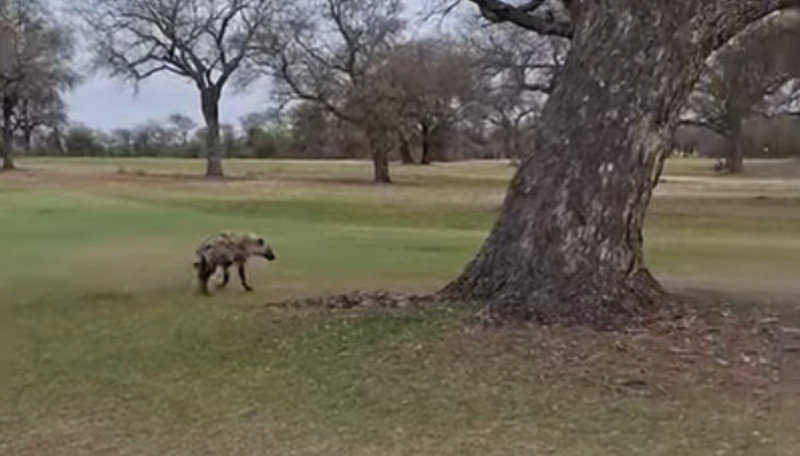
107	350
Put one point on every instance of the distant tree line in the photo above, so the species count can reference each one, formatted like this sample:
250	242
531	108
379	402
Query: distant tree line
348	81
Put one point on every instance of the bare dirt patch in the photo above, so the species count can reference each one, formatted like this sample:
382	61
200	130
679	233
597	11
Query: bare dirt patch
706	343
362	300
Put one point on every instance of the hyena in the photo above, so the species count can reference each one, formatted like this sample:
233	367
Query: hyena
223	251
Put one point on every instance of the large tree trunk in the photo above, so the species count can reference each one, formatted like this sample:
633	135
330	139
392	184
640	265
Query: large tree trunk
511	145
379	150
426	158
568	244
8	134
405	151
27	136
380	161
734	161
210	103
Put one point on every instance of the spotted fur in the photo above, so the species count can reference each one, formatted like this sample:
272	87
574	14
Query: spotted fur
226	249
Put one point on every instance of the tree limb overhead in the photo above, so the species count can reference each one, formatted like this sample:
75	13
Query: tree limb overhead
525	16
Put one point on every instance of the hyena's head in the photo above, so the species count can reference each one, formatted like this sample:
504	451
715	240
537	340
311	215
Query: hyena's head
257	246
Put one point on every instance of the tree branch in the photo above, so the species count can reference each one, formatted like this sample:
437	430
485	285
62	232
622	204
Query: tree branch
524	16
286	76
546	89
718	129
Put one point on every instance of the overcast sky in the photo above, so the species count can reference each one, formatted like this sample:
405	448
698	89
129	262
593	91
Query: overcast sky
103	103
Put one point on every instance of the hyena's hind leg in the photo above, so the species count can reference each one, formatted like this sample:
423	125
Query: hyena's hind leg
204	273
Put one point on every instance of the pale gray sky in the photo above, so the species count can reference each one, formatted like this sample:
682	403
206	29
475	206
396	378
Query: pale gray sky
104	103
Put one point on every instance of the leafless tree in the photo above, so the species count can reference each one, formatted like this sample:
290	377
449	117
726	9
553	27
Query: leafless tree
204	41
517	60
785	100
37	109
568	245
85	141
425	95
518	73
39	72
256	120
122	140
739	82
153	138
183	124
326	53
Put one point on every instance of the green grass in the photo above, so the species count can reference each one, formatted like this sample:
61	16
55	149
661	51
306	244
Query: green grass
106	350
754	168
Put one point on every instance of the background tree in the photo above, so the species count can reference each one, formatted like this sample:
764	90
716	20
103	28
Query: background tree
229	138
518	72
738	81
36	109
83	140
568	245
39	74
426	96
157	138
183	125
122	140
265	134
785	100
326	53
204	41
256	122
312	128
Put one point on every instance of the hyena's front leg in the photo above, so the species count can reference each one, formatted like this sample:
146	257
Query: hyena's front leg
204	273
243	277
226	276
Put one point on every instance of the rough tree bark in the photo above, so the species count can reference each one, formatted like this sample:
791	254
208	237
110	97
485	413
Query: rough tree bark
26	125
210	105
734	161
568	244
379	146
27	137
426	158
381	162
405	151
8	134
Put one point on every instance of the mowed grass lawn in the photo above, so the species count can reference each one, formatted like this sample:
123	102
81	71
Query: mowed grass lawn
106	349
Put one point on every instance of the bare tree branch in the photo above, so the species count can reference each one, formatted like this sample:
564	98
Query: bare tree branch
712	126
40	72
524	16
